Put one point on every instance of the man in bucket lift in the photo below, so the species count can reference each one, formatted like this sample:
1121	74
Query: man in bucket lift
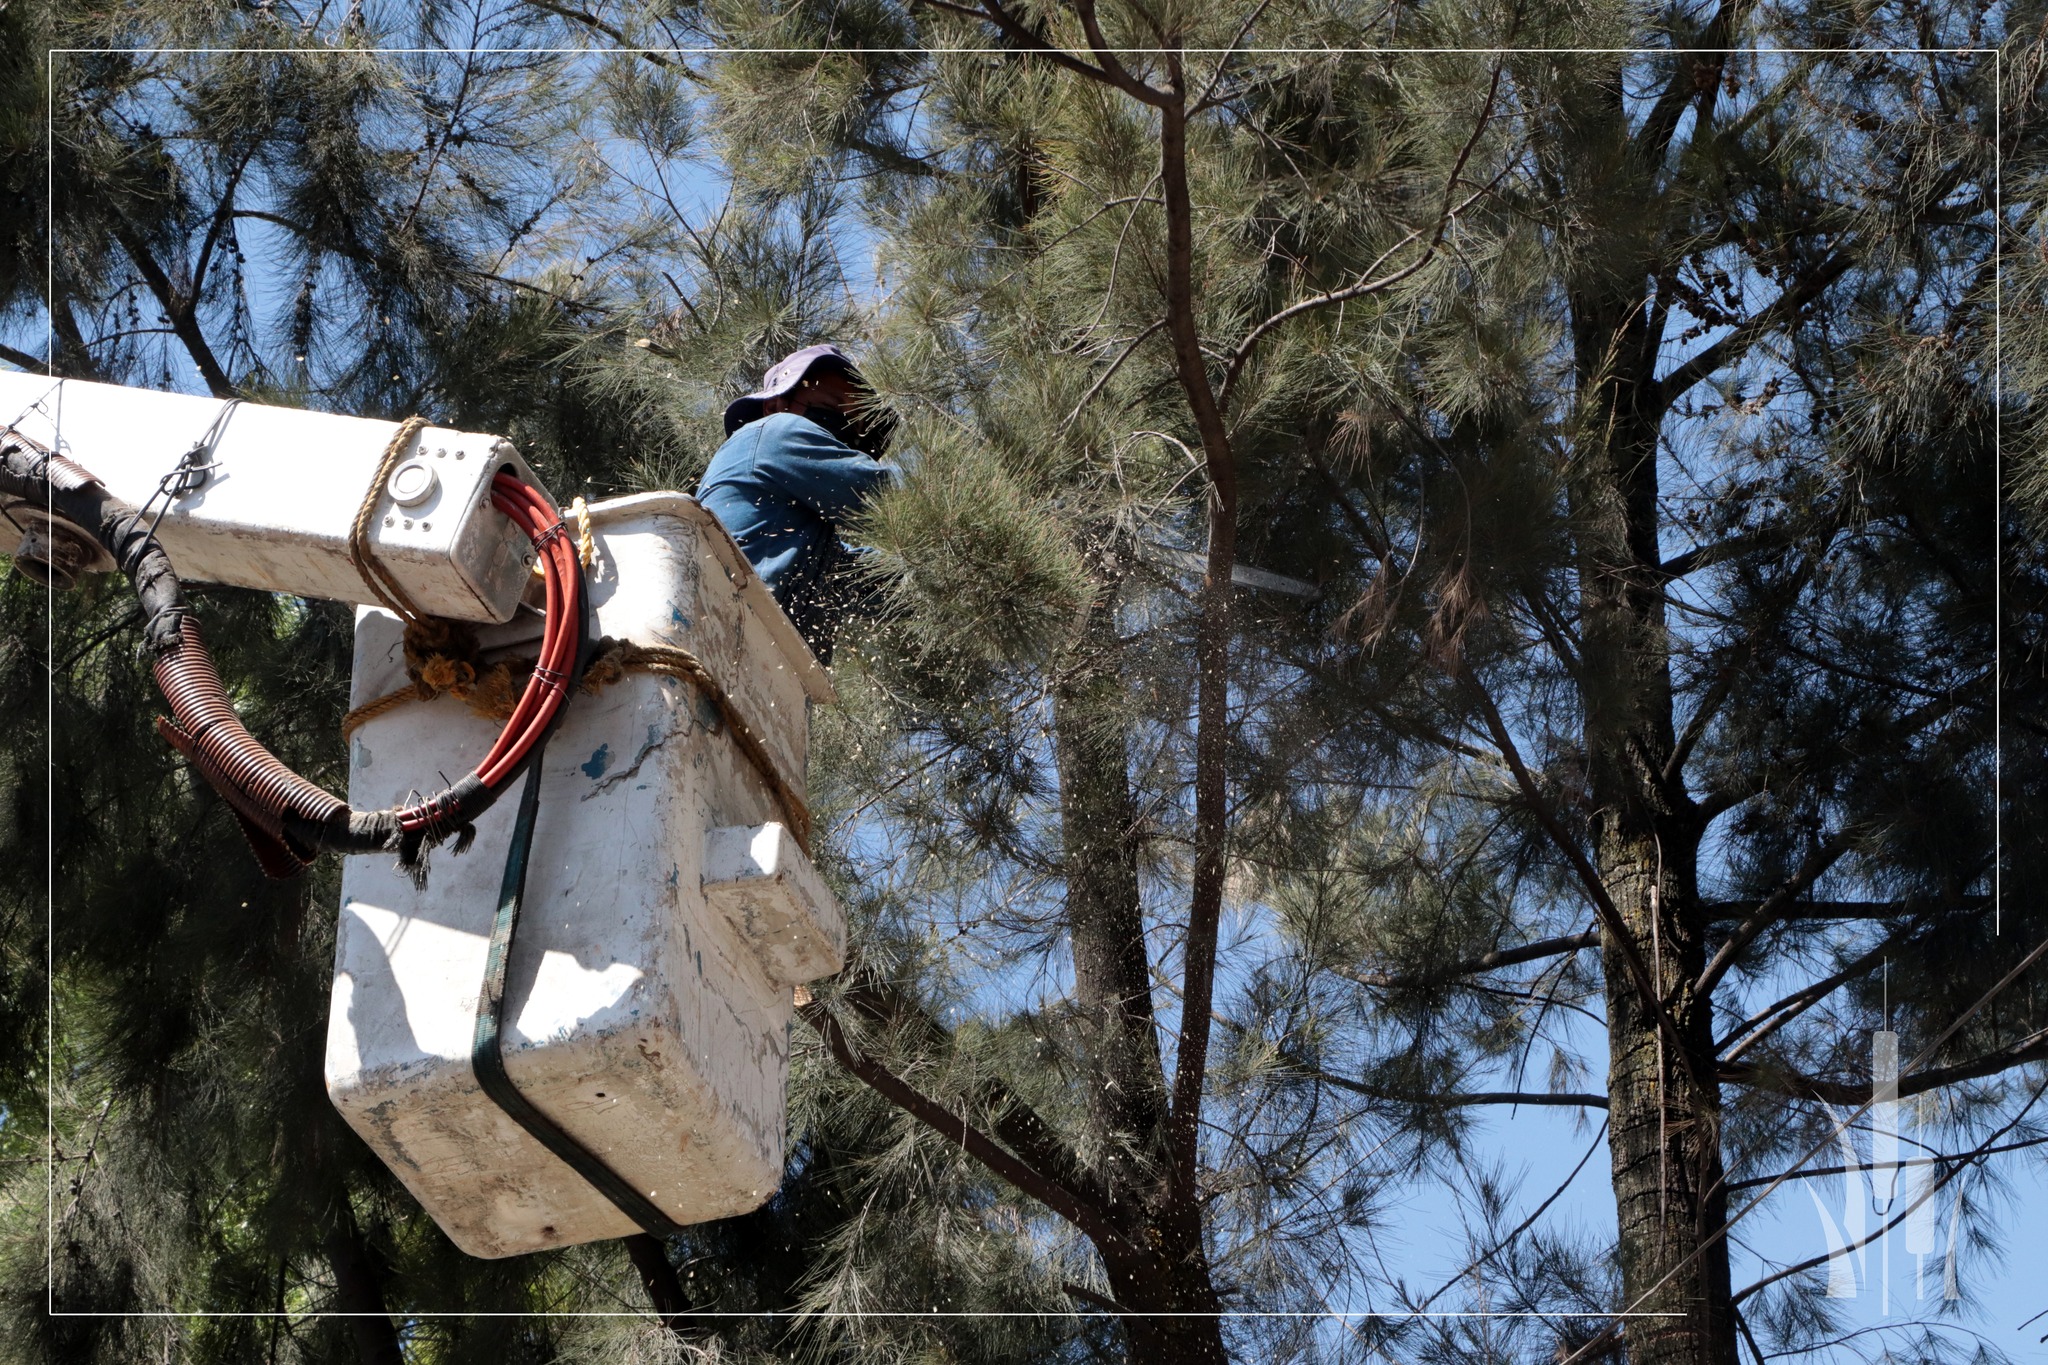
797	460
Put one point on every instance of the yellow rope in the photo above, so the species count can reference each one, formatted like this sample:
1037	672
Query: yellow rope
383	585
440	656
586	543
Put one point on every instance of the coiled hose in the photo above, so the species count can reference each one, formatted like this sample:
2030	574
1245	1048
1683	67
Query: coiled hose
290	821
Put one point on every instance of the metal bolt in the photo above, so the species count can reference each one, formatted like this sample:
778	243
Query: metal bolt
458	454
426	526
408	523
441	454
391	521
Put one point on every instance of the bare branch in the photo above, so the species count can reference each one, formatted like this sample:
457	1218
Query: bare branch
2033	1048
958	1130
1749	331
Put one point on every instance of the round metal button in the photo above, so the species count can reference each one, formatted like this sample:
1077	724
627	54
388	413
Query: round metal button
412	483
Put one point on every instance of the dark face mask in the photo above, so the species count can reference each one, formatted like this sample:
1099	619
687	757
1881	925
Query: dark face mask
837	423
869	434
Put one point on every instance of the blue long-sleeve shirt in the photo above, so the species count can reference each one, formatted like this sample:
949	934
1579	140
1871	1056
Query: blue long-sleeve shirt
781	485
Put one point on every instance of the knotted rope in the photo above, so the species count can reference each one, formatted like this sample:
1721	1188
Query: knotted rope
382	583
441	659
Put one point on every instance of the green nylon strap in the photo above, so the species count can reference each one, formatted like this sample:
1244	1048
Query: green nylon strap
487	1057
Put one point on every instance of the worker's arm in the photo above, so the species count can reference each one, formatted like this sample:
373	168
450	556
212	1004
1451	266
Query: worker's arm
808	466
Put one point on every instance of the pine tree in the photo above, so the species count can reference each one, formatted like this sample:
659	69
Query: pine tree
1646	459
1649	616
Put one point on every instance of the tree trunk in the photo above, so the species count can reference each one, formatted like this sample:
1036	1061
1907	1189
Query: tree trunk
1664	1110
1105	919
1163	1267
1663	1096
359	1292
1170	1285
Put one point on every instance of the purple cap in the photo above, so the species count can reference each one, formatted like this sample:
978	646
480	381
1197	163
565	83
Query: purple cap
783	376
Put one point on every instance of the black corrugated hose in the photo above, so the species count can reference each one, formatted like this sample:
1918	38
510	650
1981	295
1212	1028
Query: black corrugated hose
289	821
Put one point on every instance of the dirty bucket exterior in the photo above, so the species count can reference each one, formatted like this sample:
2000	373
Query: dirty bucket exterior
668	914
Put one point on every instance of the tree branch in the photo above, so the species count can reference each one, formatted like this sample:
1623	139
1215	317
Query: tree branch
1110	373
1117	72
1783	1011
1697	77
1603	904
23	359
223	214
956	1129
1485	962
1797	295
1982	1150
178	310
1461	1099
1016	1122
1730	671
1811	1172
2033	1048
1023	37
597	25
1368	285
1208	97
74	357
1520	1228
1212	647
1720	910
1823	857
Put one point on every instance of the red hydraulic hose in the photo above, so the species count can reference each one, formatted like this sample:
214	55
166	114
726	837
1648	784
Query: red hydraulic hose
546	691
289	820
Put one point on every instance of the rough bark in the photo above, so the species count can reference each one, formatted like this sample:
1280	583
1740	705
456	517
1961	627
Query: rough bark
1664	1099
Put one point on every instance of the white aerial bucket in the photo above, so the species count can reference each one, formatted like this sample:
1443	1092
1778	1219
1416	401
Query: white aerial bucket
668	914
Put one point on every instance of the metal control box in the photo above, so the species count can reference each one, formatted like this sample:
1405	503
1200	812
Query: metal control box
668	914
276	491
